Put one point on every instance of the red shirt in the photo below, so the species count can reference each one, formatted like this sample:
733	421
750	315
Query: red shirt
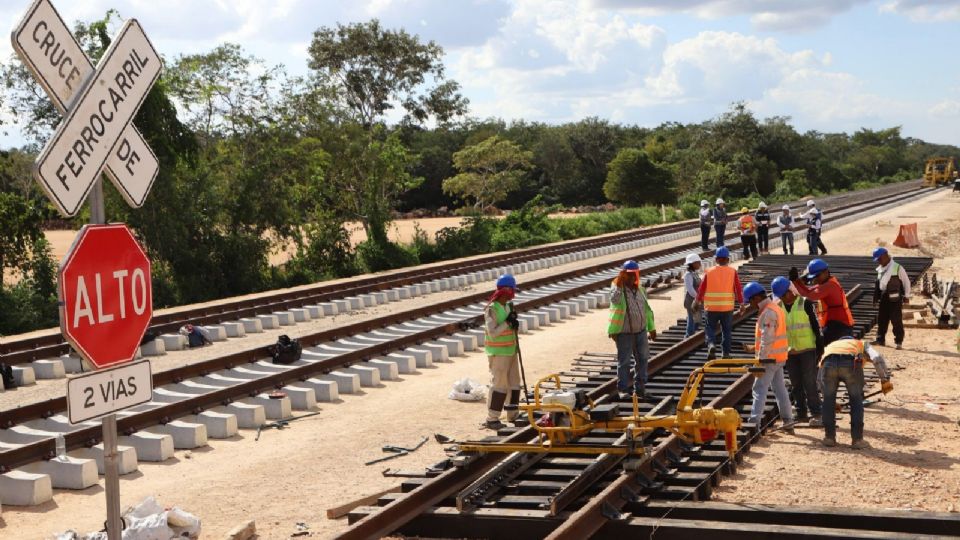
737	289
832	295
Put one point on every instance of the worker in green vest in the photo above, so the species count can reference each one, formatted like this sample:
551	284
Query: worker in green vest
631	321
803	351
500	326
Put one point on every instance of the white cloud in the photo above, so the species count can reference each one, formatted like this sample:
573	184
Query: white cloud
947	107
764	14
924	10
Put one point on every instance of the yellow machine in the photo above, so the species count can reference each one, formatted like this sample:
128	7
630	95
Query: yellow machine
569	421
939	171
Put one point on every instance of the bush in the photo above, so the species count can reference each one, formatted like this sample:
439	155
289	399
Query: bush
689	210
377	256
528	226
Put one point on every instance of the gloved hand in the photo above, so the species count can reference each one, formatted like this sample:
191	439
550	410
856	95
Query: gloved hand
886	386
653	335
513	321
794	273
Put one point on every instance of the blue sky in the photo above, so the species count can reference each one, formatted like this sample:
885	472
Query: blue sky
831	65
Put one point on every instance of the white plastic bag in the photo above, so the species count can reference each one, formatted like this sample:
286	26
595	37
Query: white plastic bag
149	521
468	390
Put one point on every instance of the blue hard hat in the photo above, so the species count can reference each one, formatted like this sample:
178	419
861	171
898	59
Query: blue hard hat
752	289
722	253
815	267
507	280
879	252
631	265
780	285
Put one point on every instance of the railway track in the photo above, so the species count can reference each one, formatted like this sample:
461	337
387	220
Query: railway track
581	496
216	397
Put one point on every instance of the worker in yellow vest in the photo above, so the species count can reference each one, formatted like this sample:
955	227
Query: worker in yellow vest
843	361
770	348
747	227
500	326
719	291
804	344
630	323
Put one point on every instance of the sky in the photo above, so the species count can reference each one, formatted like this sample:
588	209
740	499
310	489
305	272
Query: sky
830	65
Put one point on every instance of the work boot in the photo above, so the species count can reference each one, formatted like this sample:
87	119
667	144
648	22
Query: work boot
829	441
859	444
899	346
493	424
520	421
815	421
711	353
879	343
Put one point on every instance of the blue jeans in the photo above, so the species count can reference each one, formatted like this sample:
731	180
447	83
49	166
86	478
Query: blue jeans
773	373
787	238
837	368
813	238
725	319
632	356
721	229
693	322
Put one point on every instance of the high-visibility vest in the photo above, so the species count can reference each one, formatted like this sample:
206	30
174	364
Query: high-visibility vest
719	295
799	332
504	343
778	350
747	225
845	347
822	308
618	312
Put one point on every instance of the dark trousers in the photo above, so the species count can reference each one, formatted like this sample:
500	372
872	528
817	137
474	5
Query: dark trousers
813	240
725	320
890	311
787	238
763	237
721	230
704	237
749	242
802	369
834	330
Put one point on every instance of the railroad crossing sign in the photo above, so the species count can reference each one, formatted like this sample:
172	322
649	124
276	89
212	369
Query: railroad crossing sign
106	300
97	133
102	392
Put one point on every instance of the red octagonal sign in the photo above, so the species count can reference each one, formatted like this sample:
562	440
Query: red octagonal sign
106	301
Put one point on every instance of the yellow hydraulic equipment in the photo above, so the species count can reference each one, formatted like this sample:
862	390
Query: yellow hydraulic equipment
939	171
562	421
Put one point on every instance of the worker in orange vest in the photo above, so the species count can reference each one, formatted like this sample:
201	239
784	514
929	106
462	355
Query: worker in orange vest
747	226
718	294
771	349
833	311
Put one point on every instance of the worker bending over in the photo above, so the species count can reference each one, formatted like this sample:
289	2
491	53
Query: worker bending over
804	344
771	344
631	321
843	362
833	312
719	292
500	326
763	228
890	290
747	226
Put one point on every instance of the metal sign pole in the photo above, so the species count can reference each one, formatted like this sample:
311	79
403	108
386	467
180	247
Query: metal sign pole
97	210
112	477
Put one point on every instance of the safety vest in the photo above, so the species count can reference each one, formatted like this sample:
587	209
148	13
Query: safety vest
719	295
778	350
799	332
504	343
747	225
619	310
845	347
894	273
822	308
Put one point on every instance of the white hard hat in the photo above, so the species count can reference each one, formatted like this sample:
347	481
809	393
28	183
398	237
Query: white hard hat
719	201
811	203
786	207
693	258
762	205
704	203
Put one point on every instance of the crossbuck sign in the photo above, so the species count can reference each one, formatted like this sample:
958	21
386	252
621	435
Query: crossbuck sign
97	132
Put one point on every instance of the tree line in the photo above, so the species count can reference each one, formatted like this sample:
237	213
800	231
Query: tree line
254	160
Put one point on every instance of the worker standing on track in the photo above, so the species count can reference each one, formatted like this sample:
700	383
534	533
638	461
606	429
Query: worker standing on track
890	290
631	321
786	223
843	361
500	326
706	223
771	344
833	312
763	228
720	221
718	294
691	284
747	227
814	218
804	345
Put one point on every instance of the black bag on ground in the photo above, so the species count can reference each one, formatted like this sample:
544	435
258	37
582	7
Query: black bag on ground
286	350
7	374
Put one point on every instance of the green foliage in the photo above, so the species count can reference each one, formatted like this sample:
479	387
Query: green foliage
377	256
489	171
30	301
633	179
528	226
794	185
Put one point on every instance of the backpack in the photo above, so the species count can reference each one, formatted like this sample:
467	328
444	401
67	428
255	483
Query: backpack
7	374
285	351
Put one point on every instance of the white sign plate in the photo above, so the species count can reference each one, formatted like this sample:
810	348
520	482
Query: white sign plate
99	116
106	391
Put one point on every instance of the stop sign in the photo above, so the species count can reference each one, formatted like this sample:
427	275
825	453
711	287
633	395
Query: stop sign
106	301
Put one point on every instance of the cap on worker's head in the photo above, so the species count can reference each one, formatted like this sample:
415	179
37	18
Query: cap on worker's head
779	286
704	203
879	252
815	267
786	207
692	258
631	265
719	201
752	289
722	253
762	205
507	280
744	209
811	203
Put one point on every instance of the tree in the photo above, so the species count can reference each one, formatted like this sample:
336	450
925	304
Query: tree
489	171
633	179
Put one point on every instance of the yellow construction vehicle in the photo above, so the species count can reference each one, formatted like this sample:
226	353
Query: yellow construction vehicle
564	417
939	171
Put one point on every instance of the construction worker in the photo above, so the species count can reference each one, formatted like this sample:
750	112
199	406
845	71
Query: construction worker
771	344
890	290
814	218
843	361
500	325
803	350
833	311
691	284
956	182
718	294
763	227
720	221
631	322
706	222
787	224
747	227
